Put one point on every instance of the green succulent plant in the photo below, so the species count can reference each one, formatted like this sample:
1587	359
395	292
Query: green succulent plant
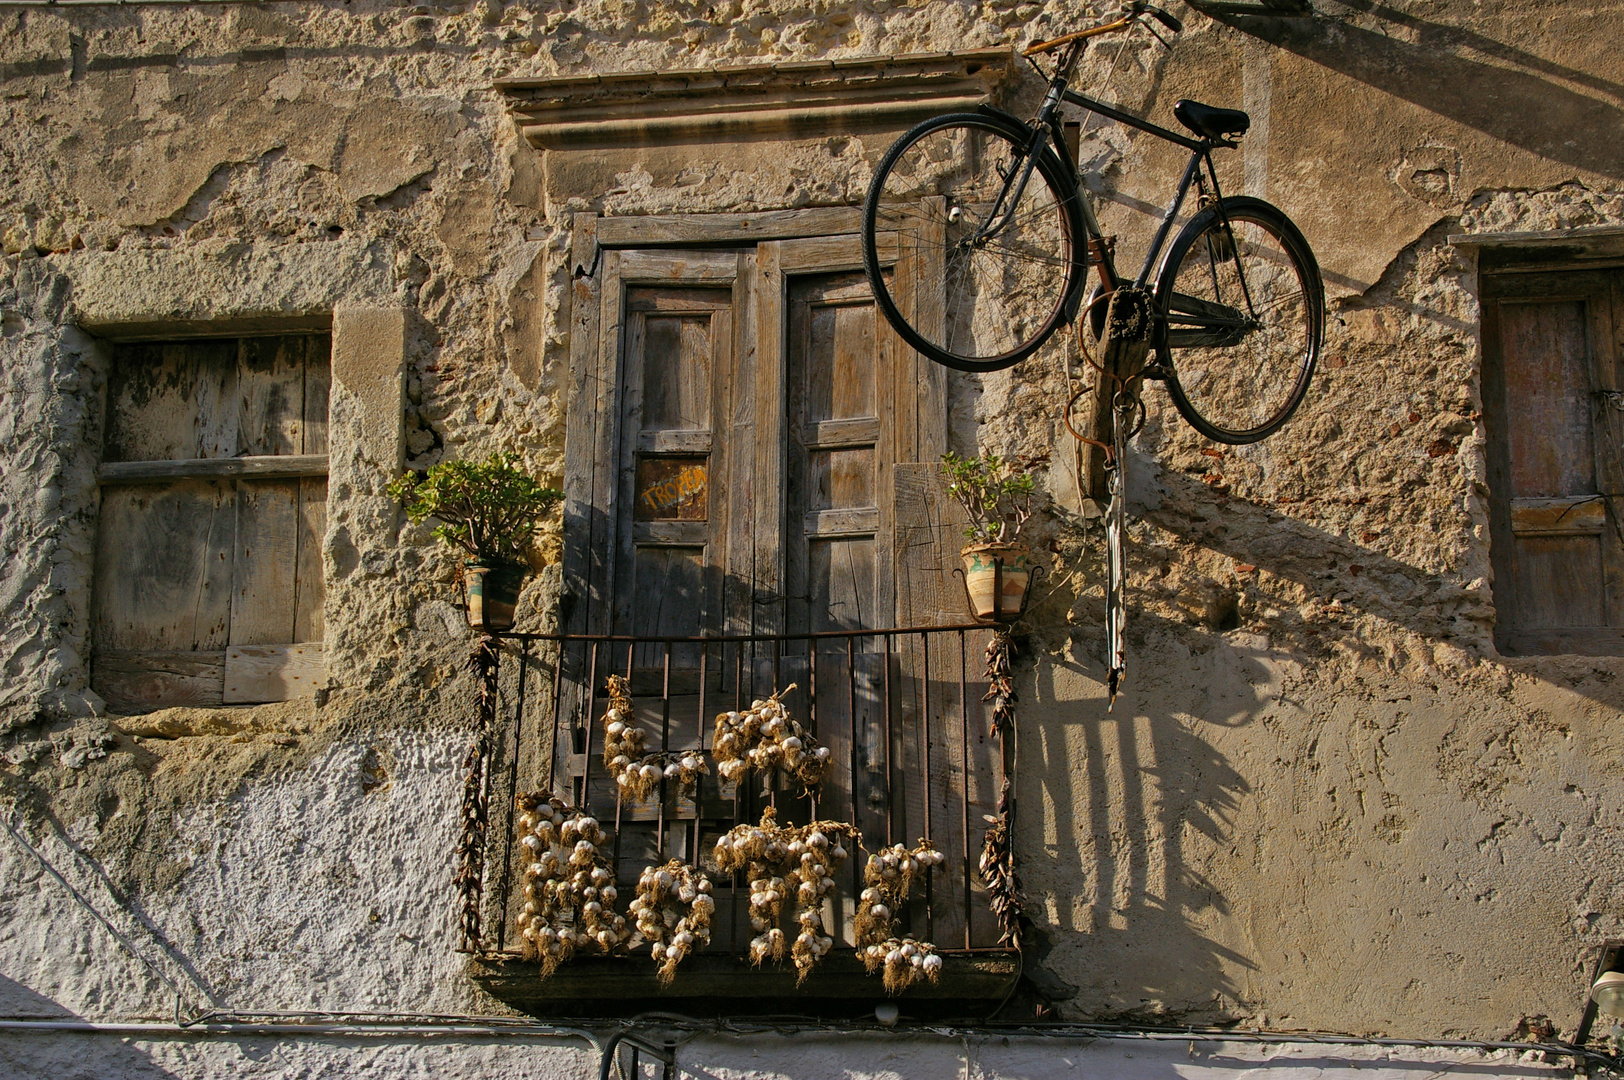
489	509
996	492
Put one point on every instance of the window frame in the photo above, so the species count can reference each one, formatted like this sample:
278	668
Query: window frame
243	671
1511	278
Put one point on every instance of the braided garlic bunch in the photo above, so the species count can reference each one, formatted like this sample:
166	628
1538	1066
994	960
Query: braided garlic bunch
760	851
764	737
623	745
781	861
888	876
685	767
817	854
637	773
569	890
673	909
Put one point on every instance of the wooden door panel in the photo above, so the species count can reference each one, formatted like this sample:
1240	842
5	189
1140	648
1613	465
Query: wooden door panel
678	357
841	479
172	402
270	385
677	354
1548	384
839	450
263	590
841	581
318	383
309	581
1560	581
838	362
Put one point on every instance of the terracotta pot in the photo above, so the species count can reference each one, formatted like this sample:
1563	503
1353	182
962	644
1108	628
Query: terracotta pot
493	593
996	576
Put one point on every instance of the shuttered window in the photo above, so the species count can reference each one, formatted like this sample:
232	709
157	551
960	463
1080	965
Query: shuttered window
1552	406
208	577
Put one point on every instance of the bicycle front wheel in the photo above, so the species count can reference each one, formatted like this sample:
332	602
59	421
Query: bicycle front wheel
992	226
1244	311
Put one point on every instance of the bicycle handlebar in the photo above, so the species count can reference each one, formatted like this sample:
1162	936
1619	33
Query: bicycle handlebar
1135	9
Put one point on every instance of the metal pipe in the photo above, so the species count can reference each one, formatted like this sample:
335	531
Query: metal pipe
666	1054
472	1026
381	1025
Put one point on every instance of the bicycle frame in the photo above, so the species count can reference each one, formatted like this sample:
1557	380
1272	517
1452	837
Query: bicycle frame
1046	126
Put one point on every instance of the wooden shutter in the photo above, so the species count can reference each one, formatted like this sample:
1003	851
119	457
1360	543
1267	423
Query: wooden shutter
208	585
1550	387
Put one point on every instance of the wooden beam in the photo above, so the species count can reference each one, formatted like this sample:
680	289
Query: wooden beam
263	467
255	673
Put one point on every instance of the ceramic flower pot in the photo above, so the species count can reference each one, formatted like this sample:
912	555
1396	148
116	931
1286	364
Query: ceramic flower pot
996	576
493	593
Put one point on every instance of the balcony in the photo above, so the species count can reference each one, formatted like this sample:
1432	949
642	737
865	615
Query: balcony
913	755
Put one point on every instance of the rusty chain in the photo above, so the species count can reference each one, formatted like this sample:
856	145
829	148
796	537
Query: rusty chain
470	876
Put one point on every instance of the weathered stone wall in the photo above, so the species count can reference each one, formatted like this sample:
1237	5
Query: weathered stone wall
1324	802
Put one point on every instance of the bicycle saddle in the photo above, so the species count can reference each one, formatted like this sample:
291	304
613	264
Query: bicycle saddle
1208	121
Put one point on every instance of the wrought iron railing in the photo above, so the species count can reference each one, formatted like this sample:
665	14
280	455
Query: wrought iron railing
913	748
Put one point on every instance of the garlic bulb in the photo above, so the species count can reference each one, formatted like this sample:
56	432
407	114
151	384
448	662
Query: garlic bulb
888	876
673	909
569	899
764	737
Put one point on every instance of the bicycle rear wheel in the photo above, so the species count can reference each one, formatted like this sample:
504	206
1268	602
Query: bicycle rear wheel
1244	311
990	222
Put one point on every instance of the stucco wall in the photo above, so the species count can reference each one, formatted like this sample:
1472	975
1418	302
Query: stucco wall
1325	802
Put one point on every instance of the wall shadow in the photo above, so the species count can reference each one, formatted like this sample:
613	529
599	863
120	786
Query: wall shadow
1526	108
1123	811
64	1056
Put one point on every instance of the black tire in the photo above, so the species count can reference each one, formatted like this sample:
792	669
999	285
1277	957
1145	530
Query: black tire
1005	295
1237	382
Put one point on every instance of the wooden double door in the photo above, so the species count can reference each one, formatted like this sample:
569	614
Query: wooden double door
740	419
762	406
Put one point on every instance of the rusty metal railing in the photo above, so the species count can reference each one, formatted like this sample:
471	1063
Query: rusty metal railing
901	710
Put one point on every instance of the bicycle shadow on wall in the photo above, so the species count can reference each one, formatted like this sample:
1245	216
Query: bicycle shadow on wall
1528	107
1129	794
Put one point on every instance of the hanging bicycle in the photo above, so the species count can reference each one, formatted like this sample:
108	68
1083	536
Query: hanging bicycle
995	206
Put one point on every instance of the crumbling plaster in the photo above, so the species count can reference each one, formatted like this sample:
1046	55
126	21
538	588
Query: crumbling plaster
1324	802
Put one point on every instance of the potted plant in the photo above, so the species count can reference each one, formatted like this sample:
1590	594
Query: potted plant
490	510
997	493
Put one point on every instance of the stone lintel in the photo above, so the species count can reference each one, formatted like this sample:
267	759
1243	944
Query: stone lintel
850	95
